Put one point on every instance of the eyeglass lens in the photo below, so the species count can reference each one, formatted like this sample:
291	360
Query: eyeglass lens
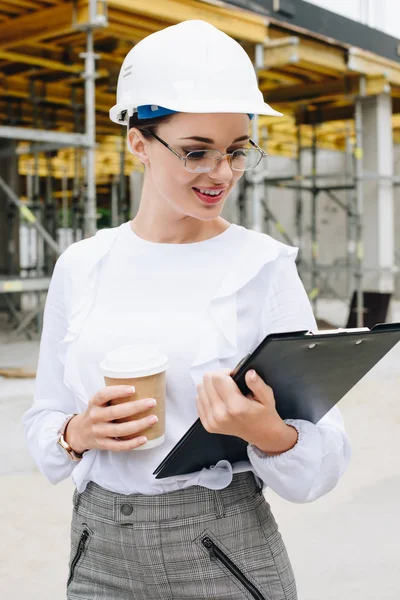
201	161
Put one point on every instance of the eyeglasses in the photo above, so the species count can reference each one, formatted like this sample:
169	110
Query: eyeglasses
204	161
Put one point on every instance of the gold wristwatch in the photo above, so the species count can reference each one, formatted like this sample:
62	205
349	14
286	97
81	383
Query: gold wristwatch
64	444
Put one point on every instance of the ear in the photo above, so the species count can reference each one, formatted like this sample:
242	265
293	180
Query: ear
138	145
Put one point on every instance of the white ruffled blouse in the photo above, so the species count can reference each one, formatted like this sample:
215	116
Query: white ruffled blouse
259	294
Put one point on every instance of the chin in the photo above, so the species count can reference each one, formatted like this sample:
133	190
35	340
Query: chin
209	213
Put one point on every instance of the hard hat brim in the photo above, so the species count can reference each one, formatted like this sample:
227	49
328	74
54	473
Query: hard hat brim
239	108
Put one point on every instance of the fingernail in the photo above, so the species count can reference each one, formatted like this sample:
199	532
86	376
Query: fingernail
253	375
151	402
133	389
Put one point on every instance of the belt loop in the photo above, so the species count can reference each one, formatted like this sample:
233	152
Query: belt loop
219	504
259	483
75	498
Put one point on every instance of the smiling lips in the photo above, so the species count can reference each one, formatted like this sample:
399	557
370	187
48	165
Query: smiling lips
210	195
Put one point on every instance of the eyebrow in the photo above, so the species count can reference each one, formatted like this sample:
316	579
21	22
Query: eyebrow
210	141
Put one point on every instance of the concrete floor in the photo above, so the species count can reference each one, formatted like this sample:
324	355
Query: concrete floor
344	546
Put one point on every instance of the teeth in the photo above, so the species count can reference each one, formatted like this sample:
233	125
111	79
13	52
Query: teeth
210	192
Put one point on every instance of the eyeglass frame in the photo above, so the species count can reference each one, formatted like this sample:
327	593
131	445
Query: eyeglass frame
184	158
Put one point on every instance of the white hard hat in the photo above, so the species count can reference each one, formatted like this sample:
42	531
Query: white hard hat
191	67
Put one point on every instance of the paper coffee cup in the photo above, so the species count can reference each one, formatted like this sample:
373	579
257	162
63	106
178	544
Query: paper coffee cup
144	367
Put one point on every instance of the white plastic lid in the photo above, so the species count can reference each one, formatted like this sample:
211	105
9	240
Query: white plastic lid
134	361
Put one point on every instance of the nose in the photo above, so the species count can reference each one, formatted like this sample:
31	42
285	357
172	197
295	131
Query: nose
222	172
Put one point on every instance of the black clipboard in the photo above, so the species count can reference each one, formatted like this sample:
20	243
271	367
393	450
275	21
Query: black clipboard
309	374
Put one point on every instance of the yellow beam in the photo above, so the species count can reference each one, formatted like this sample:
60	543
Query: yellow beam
27	59
57	93
29	4
377	84
307	75
238	23
305	53
49	22
40	25
129	33
370	64
284	121
326	58
281	52
305	91
366	63
278	77
133	28
325	90
38	47
396	121
10	9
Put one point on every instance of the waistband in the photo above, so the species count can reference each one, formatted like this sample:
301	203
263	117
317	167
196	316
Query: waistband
193	501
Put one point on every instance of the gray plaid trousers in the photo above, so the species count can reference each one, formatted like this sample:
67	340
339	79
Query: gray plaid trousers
189	544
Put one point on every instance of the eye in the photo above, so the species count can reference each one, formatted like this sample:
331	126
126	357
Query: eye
197	154
239	151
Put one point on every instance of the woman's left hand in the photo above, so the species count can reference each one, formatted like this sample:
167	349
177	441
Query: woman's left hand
224	409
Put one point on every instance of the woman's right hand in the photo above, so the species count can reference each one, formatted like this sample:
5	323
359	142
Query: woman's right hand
94	428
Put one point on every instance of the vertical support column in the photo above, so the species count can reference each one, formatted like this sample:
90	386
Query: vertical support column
359	155
351	213
378	192
123	202
135	186
97	17
114	202
299	198
314	233
265	187
9	214
90	111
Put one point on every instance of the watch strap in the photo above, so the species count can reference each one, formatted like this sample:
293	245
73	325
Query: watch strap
63	442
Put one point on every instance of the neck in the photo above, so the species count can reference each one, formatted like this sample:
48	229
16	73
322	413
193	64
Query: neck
156	221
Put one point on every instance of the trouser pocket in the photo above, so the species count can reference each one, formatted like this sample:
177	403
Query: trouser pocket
217	554
83	542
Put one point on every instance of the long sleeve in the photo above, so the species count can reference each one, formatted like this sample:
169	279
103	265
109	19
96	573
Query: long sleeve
322	453
53	401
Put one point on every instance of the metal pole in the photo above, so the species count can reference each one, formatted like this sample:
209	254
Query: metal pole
265	201
350	215
114	202
50	216
314	240
29	193
299	199
75	197
265	205
90	111
358	154
64	188
255	190
124	208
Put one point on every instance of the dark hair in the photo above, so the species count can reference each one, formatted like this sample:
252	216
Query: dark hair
148	124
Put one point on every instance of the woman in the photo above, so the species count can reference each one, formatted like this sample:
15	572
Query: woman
206	292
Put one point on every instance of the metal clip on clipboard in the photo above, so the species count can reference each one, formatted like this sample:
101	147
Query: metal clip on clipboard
338	330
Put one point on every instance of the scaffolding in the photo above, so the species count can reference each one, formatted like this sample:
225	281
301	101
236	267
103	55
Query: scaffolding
353	184
36	278
293	71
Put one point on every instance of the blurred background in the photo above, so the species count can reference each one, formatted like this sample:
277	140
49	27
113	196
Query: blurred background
330	186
